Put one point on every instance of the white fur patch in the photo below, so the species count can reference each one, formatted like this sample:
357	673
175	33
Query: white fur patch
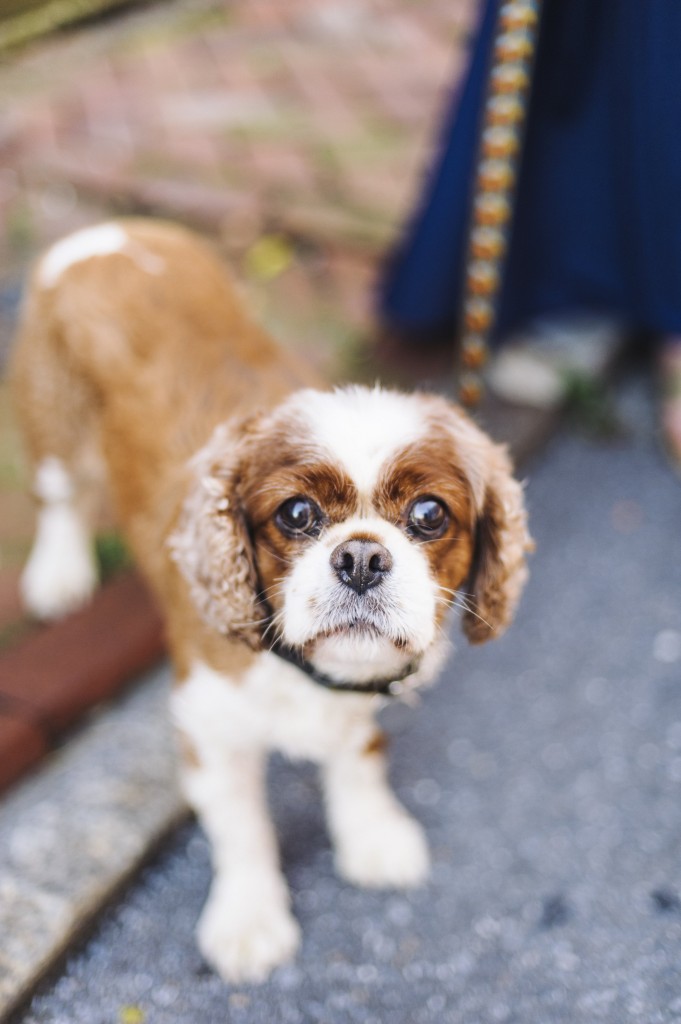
272	706
61	573
51	482
101	240
360	427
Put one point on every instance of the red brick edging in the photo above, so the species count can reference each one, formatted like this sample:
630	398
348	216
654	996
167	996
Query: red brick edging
51	678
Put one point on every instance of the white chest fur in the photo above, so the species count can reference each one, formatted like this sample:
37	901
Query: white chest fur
273	706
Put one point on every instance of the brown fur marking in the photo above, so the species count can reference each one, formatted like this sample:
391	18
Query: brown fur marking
378	744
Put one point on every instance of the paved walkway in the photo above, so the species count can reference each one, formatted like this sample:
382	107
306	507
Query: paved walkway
547	770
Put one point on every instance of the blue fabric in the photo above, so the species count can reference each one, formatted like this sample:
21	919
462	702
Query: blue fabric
597	221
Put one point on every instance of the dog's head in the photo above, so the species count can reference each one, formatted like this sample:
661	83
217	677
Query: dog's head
343	525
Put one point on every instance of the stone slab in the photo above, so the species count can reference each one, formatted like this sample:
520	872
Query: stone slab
73	832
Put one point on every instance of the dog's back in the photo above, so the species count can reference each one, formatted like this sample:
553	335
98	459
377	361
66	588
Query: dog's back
133	341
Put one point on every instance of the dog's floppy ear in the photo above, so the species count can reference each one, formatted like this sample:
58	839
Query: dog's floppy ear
499	569
211	544
499	521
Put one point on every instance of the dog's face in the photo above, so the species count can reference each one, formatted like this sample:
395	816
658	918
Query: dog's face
343	525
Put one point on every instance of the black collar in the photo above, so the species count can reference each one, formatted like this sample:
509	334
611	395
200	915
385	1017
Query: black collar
384	687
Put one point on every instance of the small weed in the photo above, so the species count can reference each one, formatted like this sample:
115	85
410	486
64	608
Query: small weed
112	555
14	632
19	226
591	406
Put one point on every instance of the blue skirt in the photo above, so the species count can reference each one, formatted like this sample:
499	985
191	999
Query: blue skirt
597	218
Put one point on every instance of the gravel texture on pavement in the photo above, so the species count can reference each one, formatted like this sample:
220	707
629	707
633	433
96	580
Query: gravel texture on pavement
547	771
72	832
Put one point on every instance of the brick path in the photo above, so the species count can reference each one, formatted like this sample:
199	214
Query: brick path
49	679
312	117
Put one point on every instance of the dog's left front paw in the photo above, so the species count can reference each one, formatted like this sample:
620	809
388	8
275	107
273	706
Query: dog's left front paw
390	851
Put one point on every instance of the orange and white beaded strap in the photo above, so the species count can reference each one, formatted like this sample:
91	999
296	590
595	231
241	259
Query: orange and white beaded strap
494	187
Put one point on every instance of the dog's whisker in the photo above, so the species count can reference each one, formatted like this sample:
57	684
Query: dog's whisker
275	554
467	607
251	622
457	593
271	627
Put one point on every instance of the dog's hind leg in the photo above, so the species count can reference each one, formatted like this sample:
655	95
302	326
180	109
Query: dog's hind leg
61	572
55	409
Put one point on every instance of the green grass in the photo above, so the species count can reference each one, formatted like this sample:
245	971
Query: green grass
591	407
13	632
28	20
112	555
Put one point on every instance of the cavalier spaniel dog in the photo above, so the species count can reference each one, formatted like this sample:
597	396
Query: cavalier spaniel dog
304	544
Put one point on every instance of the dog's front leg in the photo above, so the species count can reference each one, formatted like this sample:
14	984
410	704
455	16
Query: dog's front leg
246	928
377	842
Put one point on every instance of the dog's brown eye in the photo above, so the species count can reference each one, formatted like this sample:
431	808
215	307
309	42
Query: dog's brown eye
428	517
299	515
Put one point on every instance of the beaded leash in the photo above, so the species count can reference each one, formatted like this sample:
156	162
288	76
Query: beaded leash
501	135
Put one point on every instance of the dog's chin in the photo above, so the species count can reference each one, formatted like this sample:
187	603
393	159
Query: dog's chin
359	655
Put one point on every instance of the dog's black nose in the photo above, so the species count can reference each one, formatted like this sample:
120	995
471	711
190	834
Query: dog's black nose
361	564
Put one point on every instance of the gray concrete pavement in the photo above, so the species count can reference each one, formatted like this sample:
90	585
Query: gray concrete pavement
547	771
72	832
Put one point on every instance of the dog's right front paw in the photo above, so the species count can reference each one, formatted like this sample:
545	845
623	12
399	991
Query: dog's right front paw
243	942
